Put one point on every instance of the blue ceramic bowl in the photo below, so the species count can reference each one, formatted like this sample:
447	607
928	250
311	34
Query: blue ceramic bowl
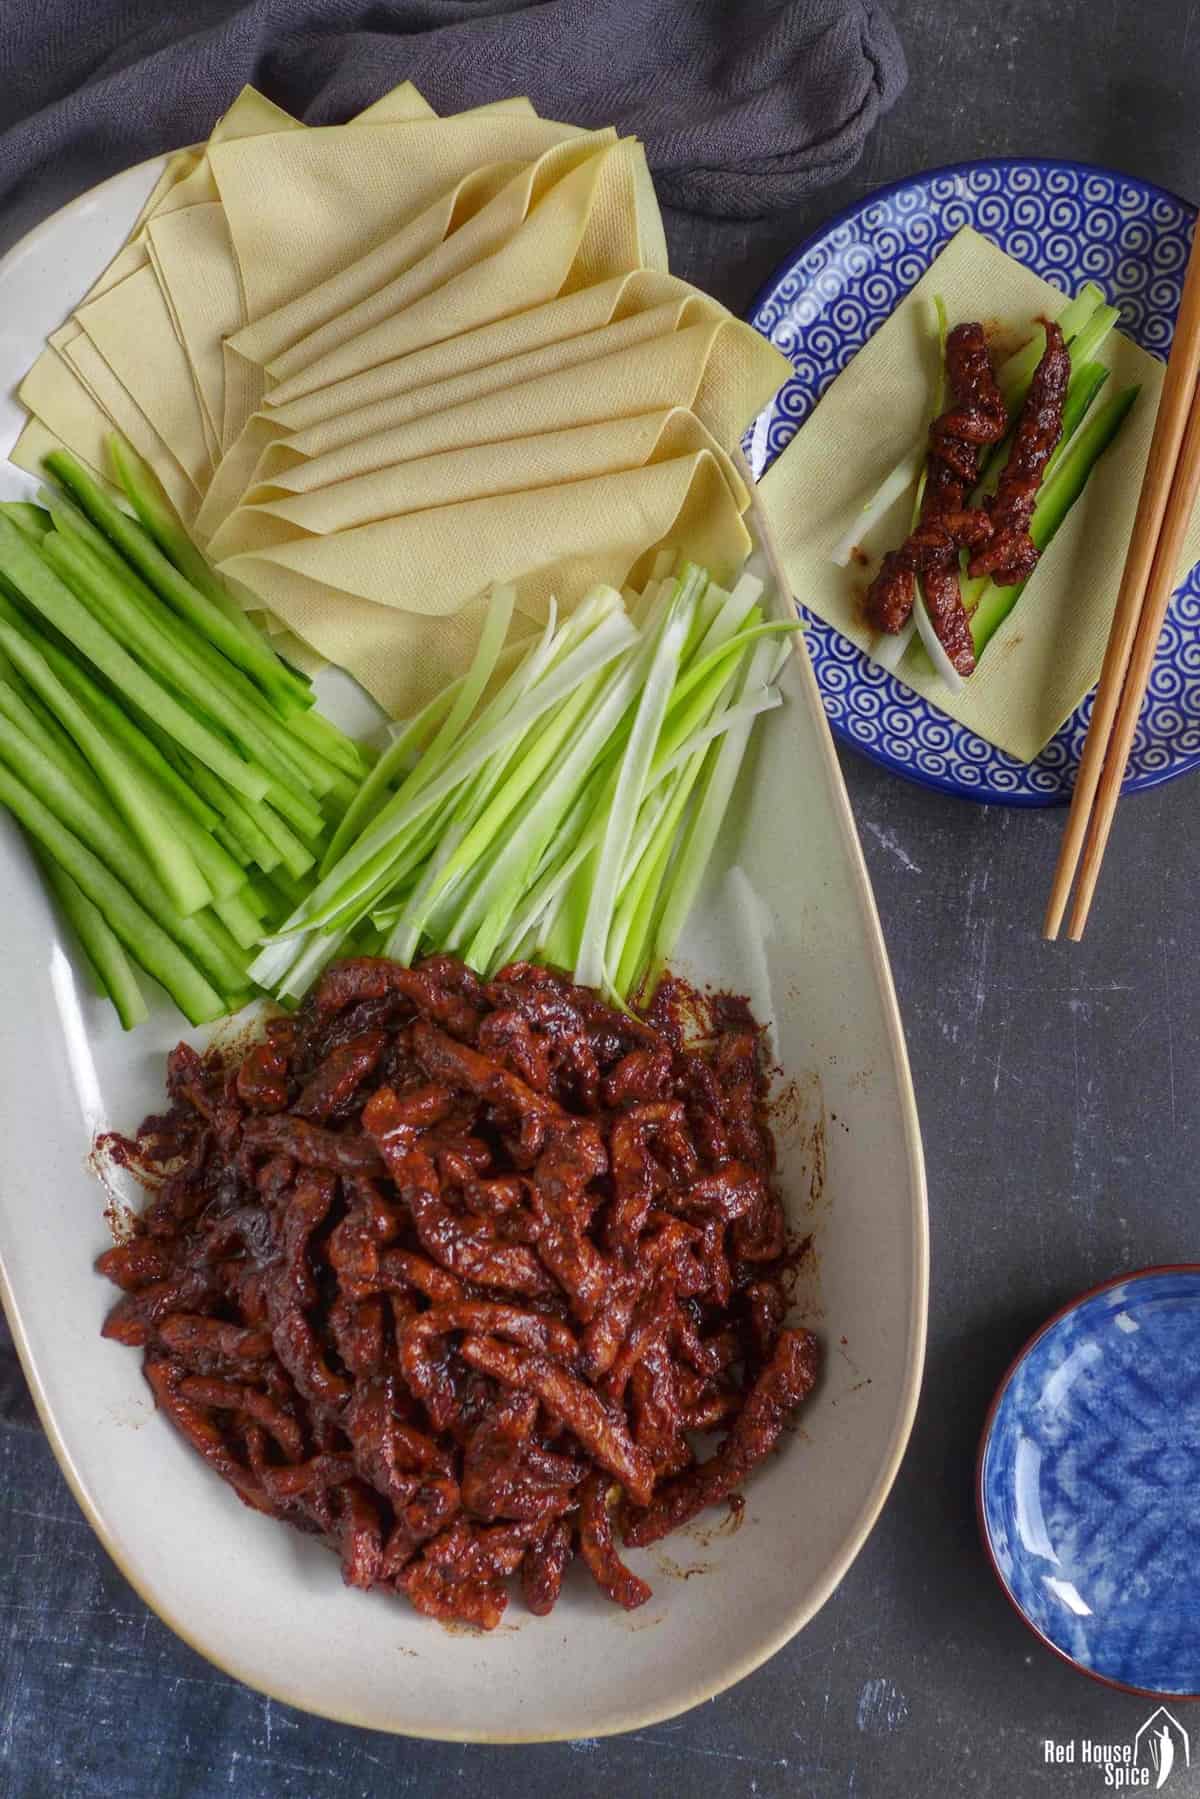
1089	1482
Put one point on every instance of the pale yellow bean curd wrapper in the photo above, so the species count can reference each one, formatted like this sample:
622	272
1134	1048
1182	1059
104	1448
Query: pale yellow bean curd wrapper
378	367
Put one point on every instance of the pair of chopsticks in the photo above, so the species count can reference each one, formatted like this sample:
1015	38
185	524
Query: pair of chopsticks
1169	489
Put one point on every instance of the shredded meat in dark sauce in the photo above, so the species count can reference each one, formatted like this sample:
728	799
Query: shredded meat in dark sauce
1009	555
975	419
997	533
451	1275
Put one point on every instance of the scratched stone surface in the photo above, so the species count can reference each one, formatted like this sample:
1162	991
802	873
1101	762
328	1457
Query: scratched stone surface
1059	1091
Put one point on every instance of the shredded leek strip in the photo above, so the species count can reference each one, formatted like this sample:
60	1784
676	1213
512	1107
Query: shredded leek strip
591	963
723	762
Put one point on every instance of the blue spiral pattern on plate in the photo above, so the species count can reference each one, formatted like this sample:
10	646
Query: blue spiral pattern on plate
1088	1482
1070	223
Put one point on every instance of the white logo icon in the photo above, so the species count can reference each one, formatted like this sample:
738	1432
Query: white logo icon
1162	1744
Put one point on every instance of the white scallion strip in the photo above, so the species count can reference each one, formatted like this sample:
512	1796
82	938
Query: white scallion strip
483	665
904	476
744	713
566	816
590	967
933	647
724	761
504	882
890	647
369	857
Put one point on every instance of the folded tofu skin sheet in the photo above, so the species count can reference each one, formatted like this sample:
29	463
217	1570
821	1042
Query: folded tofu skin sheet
1047	654
380	367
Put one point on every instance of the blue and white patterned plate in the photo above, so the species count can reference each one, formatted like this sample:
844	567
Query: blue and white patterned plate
1070	223
1088	1478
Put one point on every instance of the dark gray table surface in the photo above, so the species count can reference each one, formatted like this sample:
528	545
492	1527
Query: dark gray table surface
1058	1089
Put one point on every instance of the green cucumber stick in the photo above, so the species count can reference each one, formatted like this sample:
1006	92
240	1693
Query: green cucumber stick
1054	503
148	498
198	818
254	897
183	811
145	940
76	528
240	918
1016	372
24	710
159	639
123	731
126	784
1084	347
1085	383
260	830
100	942
238	692
90	816
314	729
248	842
302	810
33	520
1082	350
48	594
285	689
266	900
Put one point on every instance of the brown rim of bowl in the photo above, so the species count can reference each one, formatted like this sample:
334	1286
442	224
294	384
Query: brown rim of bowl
1117	1280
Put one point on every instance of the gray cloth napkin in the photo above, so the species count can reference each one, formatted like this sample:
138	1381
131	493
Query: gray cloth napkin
744	105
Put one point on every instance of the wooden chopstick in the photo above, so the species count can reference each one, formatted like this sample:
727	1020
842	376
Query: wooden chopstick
1180	505
1136	599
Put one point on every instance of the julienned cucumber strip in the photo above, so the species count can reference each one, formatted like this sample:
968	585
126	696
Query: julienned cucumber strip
146	941
1016	373
248	842
1082	349
148	498
262	834
85	809
285	688
314	729
240	919
1054	503
178	803
24	710
284	751
184	813
135	614
139	622
33	520
1085	383
122	729
101	944
38	584
127	785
